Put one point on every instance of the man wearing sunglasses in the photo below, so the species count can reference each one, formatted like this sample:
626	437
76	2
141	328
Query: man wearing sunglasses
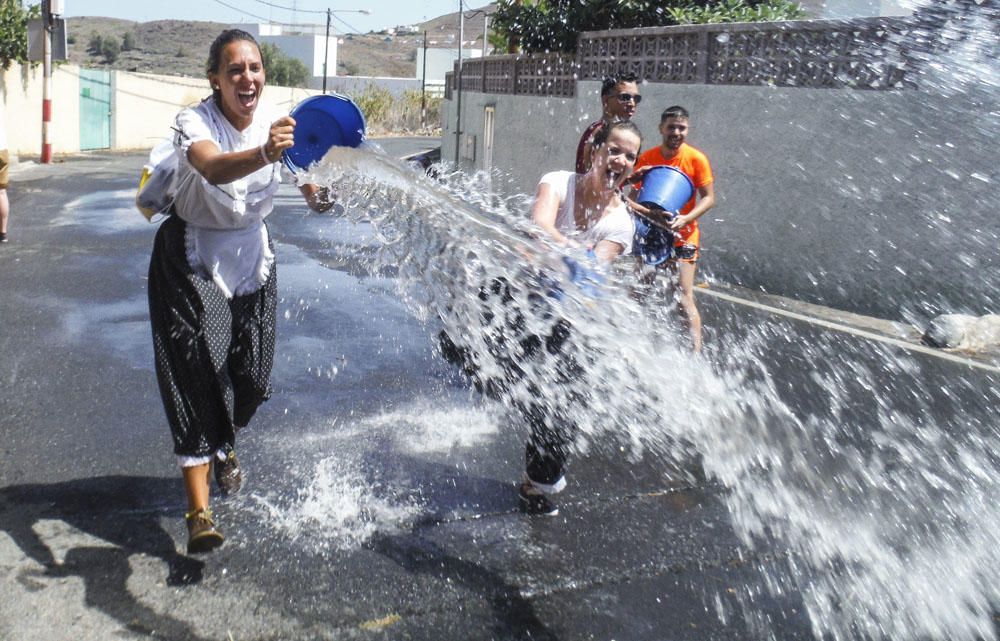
619	99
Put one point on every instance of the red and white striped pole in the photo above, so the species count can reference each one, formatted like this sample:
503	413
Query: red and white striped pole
47	81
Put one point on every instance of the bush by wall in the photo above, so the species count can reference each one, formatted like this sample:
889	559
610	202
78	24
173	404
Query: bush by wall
385	113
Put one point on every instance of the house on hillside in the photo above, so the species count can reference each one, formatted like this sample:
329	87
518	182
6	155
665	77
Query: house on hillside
307	43
440	60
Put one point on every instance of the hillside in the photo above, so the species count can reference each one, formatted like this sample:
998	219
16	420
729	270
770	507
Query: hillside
170	47
176	47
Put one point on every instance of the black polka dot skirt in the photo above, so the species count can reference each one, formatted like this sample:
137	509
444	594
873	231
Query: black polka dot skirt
213	355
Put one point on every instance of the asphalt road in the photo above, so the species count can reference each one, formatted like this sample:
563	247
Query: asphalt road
380	497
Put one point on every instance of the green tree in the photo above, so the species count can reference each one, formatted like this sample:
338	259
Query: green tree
110	49
554	25
282	69
95	43
128	41
14	32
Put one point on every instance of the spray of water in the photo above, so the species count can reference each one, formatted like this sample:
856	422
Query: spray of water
868	473
878	495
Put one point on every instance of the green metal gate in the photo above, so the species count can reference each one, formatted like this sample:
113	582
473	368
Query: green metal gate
95	109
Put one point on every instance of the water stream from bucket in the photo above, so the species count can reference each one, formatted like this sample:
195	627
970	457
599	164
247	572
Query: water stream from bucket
869	473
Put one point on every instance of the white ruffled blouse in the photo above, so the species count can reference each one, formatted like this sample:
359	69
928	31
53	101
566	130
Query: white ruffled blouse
226	238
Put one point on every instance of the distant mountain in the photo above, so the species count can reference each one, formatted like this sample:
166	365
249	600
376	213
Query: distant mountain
177	47
171	47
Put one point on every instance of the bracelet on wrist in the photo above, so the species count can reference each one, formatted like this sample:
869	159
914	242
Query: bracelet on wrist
263	154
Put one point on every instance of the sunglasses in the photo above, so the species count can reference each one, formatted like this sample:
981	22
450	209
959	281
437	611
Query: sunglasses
629	97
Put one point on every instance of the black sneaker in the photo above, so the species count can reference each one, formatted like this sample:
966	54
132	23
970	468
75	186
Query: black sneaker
535	502
228	475
3	237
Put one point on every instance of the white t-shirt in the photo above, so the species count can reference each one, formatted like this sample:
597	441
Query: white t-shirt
226	239
245	202
616	226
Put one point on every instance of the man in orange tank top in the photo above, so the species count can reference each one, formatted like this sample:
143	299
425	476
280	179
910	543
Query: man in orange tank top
675	152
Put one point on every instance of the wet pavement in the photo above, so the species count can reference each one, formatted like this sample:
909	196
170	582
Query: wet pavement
380	497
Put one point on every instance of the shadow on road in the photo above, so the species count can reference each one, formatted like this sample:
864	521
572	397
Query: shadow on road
515	616
448	494
121	510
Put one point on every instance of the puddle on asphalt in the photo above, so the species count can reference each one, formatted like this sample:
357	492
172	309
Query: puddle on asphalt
103	212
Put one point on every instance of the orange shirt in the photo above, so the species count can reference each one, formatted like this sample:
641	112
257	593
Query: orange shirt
695	166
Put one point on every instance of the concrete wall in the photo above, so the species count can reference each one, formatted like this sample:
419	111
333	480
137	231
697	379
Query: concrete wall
871	201
142	111
21	105
145	106
355	85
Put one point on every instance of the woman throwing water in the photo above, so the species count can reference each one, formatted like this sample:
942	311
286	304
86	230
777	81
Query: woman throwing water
213	277
577	210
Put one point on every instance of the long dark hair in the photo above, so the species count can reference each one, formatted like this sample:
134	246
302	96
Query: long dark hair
604	133
215	52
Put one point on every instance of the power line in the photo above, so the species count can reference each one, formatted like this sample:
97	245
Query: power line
333	14
278	6
268	20
238	10
339	19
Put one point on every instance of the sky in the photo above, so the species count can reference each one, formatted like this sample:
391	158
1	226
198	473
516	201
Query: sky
384	13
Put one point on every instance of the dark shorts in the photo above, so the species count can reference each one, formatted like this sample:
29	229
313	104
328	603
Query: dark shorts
4	168
686	253
213	355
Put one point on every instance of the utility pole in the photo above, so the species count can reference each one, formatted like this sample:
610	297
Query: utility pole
423	88
47	80
486	32
458	106
326	52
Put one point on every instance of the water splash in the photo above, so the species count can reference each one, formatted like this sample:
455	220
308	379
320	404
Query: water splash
876	494
339	508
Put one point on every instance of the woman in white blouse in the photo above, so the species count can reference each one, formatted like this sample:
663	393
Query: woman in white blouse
588	211
212	274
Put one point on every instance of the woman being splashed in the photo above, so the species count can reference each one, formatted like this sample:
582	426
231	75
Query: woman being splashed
213	277
588	211
537	374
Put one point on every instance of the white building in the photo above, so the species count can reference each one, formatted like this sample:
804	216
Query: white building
301	43
440	60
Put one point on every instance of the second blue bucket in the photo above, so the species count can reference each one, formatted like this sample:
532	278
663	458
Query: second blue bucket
665	188
322	122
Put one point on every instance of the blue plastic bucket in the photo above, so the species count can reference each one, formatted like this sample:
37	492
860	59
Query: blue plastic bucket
322	122
666	188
